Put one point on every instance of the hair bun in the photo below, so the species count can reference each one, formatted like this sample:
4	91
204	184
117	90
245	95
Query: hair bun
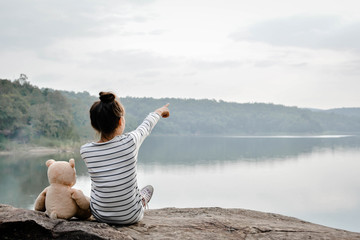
106	97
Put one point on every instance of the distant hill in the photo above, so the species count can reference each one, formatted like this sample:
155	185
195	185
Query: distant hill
210	117
28	113
350	112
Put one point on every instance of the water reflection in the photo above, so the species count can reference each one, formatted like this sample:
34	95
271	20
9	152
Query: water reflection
210	150
311	178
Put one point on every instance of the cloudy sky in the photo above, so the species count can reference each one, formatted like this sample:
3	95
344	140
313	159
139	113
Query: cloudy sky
302	53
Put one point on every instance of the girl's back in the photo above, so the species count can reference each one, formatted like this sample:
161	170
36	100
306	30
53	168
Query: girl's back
115	196
111	162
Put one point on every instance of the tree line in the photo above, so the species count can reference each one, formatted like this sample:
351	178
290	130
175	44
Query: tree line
28	113
211	117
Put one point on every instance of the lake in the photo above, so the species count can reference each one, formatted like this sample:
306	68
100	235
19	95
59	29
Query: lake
312	178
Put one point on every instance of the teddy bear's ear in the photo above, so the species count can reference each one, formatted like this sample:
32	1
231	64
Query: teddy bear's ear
49	162
72	162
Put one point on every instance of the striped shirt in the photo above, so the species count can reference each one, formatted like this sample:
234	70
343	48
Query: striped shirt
115	197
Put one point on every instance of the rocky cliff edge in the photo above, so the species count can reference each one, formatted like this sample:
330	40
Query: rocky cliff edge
168	223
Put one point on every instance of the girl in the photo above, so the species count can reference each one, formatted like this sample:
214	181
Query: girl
115	197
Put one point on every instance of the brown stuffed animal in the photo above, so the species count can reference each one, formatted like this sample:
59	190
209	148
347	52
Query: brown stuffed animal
59	200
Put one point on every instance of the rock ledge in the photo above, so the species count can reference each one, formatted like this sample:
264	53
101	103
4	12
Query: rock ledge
168	223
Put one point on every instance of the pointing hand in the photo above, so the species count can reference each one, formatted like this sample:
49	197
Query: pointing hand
163	111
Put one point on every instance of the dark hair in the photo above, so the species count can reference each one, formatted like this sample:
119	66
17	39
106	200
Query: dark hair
106	113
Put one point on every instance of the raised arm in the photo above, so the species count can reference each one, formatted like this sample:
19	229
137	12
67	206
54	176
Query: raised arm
148	124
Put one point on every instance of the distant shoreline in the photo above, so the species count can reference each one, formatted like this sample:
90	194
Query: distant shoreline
41	150
37	150
295	136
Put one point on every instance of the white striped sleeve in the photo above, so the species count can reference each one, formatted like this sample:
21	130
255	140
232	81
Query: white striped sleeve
144	129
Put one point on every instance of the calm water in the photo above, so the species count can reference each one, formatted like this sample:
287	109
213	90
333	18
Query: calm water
315	178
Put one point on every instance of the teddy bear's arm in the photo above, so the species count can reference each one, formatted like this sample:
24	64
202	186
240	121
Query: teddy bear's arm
82	201
40	201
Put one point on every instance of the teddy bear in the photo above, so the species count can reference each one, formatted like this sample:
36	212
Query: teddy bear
60	200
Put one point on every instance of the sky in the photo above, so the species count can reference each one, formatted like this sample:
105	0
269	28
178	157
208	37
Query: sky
303	53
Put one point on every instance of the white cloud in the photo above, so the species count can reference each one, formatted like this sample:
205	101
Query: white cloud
129	60
280	54
29	24
329	32
211	65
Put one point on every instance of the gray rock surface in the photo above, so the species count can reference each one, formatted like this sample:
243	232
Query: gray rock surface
168	223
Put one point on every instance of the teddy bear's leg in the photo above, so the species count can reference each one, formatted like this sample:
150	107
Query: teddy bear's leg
39	204
52	215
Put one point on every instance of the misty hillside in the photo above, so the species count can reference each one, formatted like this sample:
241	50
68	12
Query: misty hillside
210	117
28	113
350	112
